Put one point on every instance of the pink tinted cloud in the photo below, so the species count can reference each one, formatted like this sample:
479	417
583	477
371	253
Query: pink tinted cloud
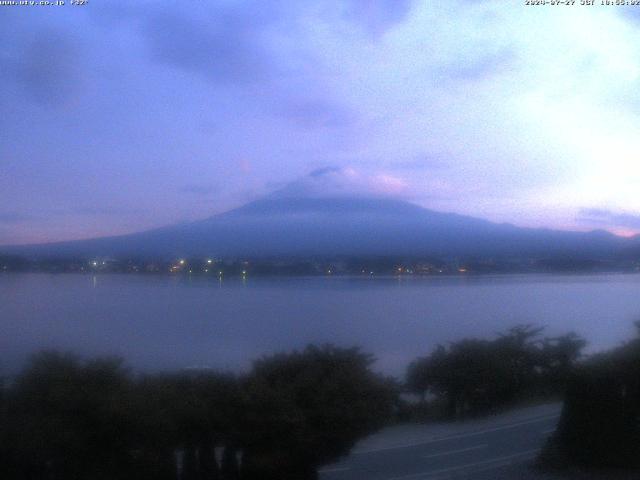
350	181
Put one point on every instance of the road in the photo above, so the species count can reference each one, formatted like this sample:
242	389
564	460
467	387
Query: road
496	447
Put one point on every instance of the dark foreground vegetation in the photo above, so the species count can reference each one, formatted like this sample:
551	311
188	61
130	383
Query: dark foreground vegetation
67	418
600	422
474	376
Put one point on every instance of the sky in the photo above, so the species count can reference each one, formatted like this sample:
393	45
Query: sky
122	116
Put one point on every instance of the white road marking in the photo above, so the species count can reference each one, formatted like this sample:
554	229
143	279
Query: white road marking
551	430
498	461
452	452
457	436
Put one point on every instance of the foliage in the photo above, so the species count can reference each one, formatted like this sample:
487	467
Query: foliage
64	418
308	408
600	422
474	376
68	419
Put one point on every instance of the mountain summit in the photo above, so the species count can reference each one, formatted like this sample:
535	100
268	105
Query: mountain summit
290	224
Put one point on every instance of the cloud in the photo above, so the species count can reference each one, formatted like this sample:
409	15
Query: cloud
13	218
609	218
452	103
88	211
378	16
250	43
482	67
260	53
324	171
223	42
224	48
346	181
228	43
44	61
631	14
104	211
318	114
426	162
198	189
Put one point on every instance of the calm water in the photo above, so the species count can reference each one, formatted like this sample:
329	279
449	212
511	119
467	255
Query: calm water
166	322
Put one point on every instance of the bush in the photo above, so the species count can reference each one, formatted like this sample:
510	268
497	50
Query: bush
69	419
600	422
477	376
308	408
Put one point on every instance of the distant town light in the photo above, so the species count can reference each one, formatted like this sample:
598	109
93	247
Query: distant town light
209	260
181	262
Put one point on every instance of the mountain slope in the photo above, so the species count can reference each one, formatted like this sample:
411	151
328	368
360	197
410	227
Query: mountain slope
340	225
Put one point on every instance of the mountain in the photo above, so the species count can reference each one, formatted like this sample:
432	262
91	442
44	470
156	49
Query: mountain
285	225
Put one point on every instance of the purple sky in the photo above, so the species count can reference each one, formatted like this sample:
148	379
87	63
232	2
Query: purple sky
121	116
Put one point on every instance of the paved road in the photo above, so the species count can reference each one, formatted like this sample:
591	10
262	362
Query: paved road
485	449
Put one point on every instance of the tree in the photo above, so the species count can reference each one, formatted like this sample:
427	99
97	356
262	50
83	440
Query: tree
308	408
190	413
66	419
558	357
474	376
600	421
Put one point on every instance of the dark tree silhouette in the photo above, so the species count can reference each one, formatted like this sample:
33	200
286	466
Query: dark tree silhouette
308	408
67	419
229	469
600	422
558	357
188	415
474	376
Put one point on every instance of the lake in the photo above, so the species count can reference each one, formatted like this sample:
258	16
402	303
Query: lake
159	322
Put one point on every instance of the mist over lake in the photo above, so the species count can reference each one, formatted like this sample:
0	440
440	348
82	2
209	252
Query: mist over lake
162	322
